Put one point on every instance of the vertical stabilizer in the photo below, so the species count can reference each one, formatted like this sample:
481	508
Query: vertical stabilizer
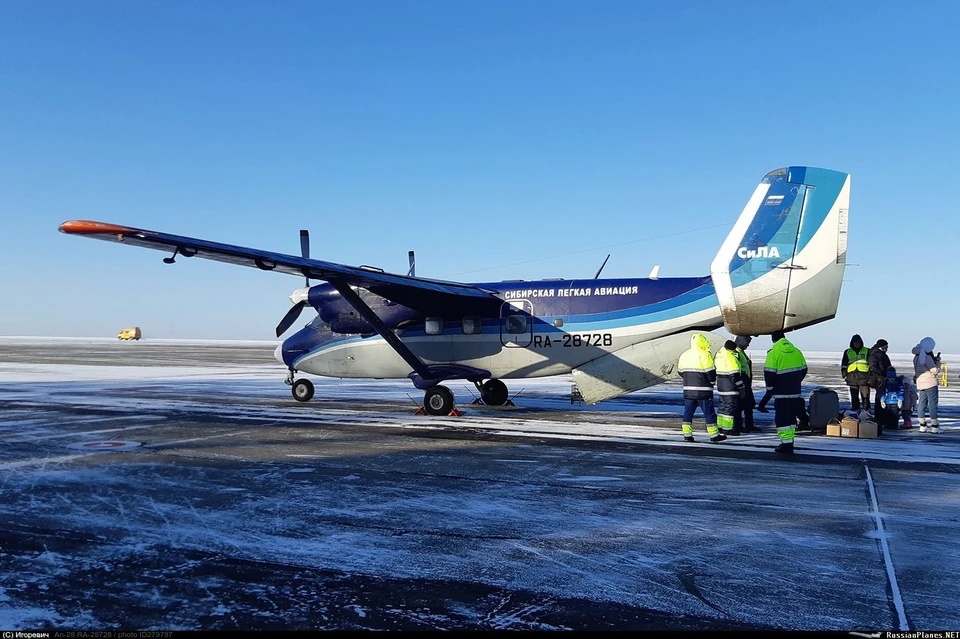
781	267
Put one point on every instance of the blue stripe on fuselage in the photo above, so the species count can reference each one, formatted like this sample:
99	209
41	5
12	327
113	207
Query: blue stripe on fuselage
584	305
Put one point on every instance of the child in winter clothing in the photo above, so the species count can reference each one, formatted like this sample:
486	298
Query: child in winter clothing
926	368
909	401
891	400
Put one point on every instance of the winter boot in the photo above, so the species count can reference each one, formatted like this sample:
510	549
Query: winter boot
786	449
934	428
719	437
906	423
923	427
733	432
688	438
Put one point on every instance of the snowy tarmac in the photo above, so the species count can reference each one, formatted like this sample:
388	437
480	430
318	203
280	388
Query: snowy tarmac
176	485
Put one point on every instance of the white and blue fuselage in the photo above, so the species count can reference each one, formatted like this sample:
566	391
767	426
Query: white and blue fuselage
542	328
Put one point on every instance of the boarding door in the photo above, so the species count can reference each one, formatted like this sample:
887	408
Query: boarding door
516	323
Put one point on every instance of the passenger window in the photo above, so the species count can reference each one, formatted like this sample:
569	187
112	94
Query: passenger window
434	325
516	324
472	325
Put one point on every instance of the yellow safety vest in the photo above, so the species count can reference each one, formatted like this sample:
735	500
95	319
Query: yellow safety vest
857	360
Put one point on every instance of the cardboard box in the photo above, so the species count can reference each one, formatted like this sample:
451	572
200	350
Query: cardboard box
868	429
833	428
849	427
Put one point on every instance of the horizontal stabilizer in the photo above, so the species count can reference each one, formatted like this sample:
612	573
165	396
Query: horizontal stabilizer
781	267
635	367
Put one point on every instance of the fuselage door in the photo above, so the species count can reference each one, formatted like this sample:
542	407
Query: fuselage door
516	323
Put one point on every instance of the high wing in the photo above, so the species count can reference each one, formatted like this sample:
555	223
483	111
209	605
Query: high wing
420	294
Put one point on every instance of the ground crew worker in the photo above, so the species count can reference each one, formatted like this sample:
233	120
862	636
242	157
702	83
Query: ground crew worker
729	388
855	371
699	374
747	399
783	371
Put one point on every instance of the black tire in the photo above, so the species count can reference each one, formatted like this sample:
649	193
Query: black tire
302	390
493	392
438	401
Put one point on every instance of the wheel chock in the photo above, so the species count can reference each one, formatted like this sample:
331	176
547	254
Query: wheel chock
480	401
452	413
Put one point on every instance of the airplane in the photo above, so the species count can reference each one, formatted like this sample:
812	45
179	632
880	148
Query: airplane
780	268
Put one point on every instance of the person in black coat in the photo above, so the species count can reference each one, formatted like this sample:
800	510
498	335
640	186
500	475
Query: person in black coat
879	363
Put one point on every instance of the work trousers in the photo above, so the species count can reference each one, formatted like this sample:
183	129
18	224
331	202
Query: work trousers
709	415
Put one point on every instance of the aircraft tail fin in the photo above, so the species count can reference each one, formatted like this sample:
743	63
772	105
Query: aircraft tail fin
781	267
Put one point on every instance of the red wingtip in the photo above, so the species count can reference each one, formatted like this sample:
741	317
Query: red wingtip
84	227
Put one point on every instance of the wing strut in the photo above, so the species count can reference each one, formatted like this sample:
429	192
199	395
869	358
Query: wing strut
367	313
423	376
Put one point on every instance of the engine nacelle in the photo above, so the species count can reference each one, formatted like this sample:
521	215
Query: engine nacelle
348	324
343	318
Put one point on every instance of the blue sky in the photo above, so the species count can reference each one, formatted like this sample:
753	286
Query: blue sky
499	140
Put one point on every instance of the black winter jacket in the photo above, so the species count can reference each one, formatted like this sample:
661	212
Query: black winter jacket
879	365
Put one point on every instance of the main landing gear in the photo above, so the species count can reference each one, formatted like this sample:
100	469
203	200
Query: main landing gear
438	400
493	392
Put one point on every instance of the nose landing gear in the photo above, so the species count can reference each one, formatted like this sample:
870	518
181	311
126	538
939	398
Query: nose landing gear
301	389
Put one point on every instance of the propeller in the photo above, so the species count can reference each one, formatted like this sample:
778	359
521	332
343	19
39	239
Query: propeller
305	247
300	296
290	318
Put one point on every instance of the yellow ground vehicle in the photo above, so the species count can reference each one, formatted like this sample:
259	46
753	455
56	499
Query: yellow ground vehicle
129	333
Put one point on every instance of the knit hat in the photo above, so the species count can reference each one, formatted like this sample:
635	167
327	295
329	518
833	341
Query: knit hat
742	341
880	343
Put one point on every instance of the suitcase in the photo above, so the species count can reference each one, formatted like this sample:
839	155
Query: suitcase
824	406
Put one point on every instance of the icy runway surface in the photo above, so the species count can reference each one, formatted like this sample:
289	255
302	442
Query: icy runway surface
178	485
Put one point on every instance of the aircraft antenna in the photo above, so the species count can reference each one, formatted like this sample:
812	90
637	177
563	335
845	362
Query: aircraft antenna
413	265
601	266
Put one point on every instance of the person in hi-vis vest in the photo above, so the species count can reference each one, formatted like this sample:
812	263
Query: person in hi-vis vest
699	374
730	389
747	401
783	371
855	371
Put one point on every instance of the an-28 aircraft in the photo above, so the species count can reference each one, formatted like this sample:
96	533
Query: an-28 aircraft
780	268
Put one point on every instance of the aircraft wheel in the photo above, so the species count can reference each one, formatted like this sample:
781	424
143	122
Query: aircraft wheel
493	392
302	390
438	401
